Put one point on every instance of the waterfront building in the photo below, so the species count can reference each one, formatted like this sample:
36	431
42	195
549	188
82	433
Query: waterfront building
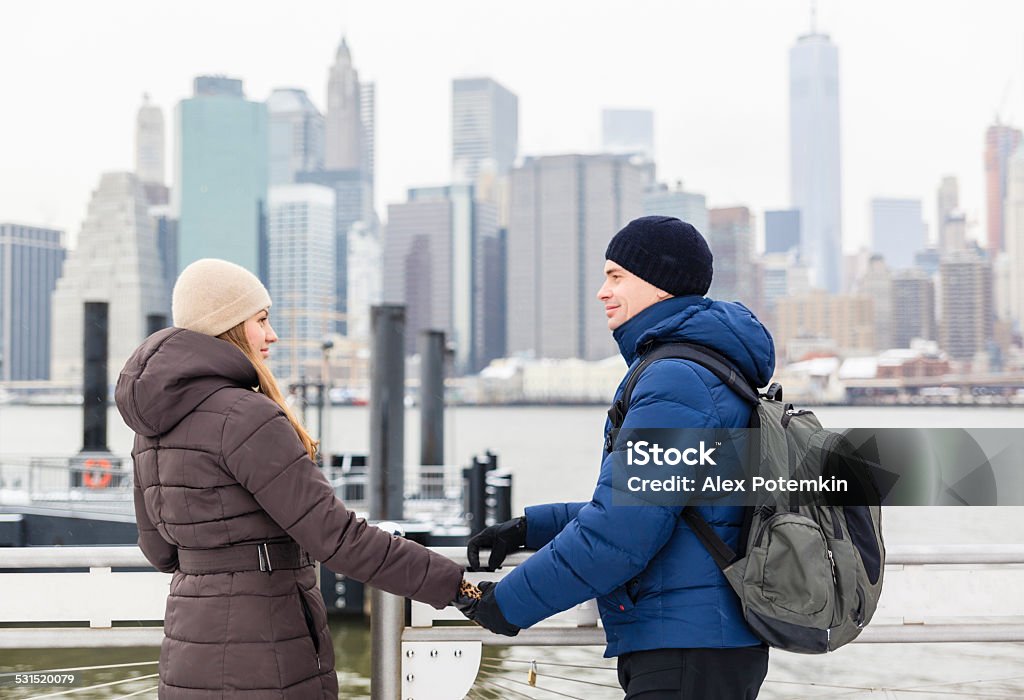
564	210
116	261
845	322
967	304
31	258
220	183
913	307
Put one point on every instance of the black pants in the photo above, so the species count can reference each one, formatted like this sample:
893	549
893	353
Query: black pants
694	674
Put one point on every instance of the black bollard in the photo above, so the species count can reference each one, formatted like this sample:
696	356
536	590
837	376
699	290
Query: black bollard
387	412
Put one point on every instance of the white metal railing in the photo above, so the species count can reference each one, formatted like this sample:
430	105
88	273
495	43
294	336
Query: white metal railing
102	484
950	593
947	593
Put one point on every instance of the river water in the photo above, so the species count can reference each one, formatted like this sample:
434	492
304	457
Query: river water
553	454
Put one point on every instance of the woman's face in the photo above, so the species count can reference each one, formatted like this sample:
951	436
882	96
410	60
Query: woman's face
259	333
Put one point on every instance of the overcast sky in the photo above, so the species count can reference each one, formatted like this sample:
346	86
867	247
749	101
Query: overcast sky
919	83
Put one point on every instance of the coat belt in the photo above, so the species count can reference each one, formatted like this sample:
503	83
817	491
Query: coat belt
253	556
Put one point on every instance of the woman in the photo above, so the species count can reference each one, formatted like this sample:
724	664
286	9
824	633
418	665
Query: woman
228	499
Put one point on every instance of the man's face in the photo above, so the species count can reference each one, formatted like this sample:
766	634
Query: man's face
624	295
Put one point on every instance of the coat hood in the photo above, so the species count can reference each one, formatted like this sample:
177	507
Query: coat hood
728	327
174	371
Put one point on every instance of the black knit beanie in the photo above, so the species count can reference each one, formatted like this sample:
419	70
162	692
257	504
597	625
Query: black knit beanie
669	253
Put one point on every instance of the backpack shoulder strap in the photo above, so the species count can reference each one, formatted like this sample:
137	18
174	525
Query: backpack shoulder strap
729	375
712	361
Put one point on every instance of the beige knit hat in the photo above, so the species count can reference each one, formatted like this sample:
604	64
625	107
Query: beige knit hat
212	296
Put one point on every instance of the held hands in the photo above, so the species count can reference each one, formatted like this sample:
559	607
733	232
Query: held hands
502	539
480	606
479	603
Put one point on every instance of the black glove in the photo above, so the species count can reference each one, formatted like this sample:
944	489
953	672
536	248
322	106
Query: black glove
501	539
485	612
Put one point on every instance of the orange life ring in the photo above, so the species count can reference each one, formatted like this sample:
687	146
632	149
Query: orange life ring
96	479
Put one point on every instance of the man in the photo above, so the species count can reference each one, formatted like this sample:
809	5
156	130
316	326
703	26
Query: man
669	614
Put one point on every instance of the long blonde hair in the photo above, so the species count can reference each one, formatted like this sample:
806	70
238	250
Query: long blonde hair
268	384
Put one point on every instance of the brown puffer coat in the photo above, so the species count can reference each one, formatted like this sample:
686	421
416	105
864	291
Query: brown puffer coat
218	464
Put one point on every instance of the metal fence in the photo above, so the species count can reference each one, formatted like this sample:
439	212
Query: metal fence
81	483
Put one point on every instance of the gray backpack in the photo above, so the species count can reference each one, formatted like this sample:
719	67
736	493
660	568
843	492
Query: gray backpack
810	573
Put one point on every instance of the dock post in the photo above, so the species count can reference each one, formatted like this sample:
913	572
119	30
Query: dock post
387	412
432	348
501	485
387	620
475	479
95	387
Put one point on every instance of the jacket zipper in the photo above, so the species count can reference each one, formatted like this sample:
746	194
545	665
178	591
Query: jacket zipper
310	627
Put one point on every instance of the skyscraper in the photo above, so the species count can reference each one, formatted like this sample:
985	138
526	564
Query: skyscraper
368	115
365	270
30	263
344	122
967	304
485	128
564	210
349	165
440	251
913	307
1011	300
296	130
948	218
814	159
782	275
781	231
628	131
220	184
149	143
149	151
1000	143
876	285
686	206
897	231
116	261
729	237
166	227
300	236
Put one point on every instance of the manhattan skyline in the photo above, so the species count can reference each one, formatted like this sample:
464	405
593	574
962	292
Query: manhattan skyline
715	78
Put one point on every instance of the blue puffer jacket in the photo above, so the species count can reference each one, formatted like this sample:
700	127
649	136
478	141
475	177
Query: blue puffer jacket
656	585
